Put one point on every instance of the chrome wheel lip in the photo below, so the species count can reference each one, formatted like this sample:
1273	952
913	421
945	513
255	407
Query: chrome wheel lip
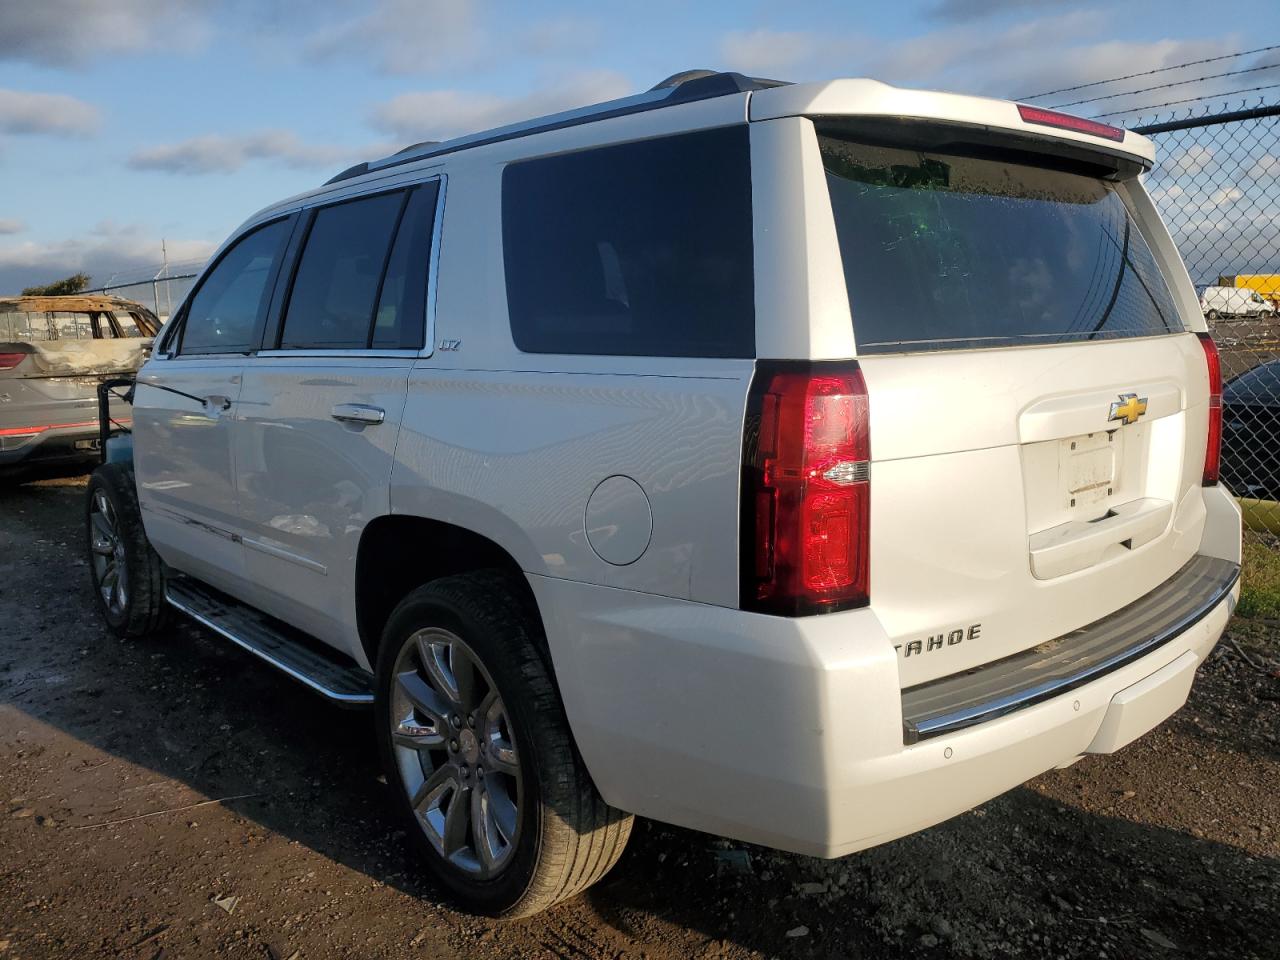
107	552
453	747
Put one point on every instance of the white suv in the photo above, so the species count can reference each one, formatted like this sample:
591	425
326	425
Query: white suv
803	464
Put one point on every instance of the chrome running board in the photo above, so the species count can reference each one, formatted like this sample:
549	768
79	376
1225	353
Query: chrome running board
288	650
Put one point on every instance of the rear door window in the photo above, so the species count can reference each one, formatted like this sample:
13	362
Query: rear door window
336	287
946	252
638	249
224	313
400	318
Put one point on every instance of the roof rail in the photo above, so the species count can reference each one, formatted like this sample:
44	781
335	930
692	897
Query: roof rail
684	87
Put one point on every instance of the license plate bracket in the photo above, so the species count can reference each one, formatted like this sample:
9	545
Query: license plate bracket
1087	467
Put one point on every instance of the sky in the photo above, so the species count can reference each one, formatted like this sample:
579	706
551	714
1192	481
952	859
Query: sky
125	123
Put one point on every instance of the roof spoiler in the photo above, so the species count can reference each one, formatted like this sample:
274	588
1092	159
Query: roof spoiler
967	119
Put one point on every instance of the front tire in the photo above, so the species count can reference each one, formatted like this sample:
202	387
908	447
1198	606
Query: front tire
478	752
127	574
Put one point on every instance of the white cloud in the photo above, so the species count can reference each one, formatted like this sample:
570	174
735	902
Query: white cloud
1085	63
1265	167
976	9
991	62
60	33
217	153
425	36
564	36
101	252
1017	60
763	52
404	36
441	114
50	113
9	225
1187	163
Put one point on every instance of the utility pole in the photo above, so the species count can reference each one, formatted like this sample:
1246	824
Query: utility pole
164	271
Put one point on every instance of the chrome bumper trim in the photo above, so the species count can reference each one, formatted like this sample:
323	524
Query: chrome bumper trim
1072	660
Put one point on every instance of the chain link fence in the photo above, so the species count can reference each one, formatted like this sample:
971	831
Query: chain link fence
161	289
1217	185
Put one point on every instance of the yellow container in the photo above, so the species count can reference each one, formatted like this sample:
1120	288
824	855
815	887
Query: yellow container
1261	515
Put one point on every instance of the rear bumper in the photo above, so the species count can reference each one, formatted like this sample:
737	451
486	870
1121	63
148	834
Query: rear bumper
1061	665
790	732
63	431
52	444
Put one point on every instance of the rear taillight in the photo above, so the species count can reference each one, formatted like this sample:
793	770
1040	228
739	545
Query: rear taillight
806	504
1213	446
1065	121
10	360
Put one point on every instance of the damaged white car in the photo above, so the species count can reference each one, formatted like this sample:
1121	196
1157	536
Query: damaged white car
54	352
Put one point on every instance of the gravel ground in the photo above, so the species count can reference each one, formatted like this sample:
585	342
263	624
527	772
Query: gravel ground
174	798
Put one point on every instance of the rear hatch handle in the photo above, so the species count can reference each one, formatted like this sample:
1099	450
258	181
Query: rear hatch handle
1081	544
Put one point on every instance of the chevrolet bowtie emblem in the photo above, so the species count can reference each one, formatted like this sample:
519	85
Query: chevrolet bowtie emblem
1128	408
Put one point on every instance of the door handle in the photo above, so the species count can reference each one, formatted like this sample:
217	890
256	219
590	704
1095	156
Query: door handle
218	402
357	413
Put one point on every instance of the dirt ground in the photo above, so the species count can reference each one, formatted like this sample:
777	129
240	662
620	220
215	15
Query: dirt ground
175	798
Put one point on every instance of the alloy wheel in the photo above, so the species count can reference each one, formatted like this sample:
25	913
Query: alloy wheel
110	573
455	752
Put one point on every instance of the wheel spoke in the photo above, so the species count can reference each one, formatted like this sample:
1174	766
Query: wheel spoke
103	535
464	676
433	788
425	700
435	658
488	847
500	752
502	808
122	586
106	511
457	819
420	739
107	583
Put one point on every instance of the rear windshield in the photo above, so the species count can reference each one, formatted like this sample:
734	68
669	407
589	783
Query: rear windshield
948	252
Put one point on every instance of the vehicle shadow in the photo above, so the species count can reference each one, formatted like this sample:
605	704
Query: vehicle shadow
1026	874
22	476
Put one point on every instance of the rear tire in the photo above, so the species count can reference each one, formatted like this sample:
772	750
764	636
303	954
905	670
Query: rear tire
1211	315
470	726
126	573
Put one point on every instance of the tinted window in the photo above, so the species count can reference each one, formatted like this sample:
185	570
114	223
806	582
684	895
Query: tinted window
947	252
401	315
639	249
224	312
336	285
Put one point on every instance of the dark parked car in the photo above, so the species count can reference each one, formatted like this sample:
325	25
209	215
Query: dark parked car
54	351
1251	432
